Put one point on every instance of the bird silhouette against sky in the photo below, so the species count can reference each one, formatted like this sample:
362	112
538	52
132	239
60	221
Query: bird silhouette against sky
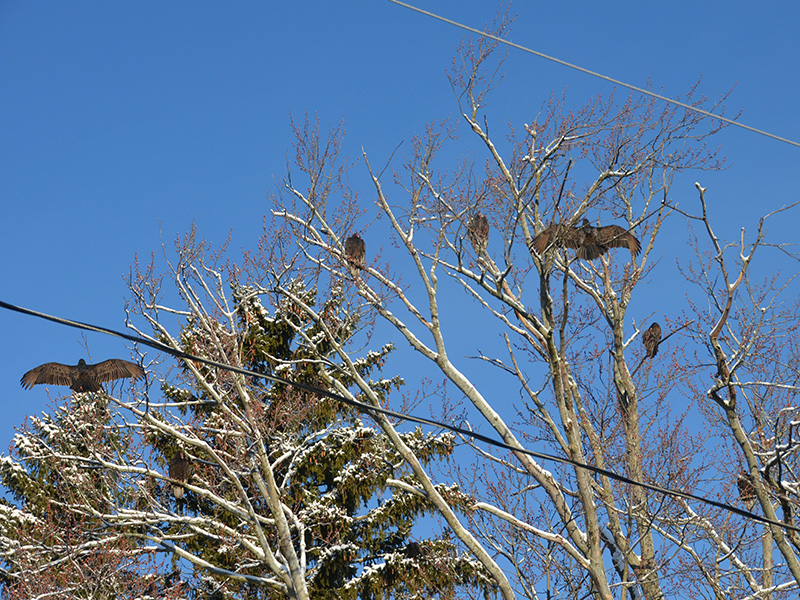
651	338
82	377
355	250
590	242
478	232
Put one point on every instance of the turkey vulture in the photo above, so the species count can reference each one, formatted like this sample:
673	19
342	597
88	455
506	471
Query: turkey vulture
650	338
355	250
82	377
478	231
747	492
179	469
412	550
590	242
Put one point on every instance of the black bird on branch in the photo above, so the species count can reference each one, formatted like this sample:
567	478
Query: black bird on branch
590	242
747	491
180	469
412	550
651	338
355	250
82	377
478	232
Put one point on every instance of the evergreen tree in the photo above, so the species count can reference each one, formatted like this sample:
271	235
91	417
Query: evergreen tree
96	486
61	535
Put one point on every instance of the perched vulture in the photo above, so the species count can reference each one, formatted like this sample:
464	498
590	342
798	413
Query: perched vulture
650	338
179	469
412	550
590	242
355	250
747	492
478	231
82	377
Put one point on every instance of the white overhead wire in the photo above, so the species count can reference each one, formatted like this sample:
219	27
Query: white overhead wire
595	74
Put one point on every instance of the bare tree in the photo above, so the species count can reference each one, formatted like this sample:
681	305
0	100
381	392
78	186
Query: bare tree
250	488
260	489
568	345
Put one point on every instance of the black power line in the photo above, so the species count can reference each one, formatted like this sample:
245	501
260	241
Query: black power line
368	408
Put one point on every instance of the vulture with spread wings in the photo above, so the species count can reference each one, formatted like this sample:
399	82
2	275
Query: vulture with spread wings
82	377
355	250
651	338
590	242
478	232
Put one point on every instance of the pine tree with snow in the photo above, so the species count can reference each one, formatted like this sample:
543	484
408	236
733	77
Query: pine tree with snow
343	481
230	486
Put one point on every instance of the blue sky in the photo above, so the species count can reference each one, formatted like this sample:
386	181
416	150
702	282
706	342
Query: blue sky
121	123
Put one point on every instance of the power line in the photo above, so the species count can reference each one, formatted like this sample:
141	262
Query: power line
594	73
368	408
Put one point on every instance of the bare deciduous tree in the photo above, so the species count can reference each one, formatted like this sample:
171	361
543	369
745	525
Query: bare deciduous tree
568	347
292	493
252	488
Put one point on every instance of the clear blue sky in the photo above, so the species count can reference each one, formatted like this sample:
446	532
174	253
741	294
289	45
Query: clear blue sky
123	122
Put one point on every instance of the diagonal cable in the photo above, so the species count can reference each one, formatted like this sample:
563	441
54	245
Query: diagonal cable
368	408
595	74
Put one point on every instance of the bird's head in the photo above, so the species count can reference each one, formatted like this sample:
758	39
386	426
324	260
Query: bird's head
81	363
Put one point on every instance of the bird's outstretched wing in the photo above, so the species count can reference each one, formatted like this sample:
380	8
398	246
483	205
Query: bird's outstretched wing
590	249
556	234
614	236
116	368
53	373
542	240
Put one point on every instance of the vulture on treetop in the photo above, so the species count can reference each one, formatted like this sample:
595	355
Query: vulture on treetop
82	377
651	338
412	550
747	491
590	242
179	469
478	231
355	250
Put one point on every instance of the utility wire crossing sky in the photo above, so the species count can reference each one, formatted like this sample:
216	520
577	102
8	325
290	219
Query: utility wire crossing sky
595	74
368	408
